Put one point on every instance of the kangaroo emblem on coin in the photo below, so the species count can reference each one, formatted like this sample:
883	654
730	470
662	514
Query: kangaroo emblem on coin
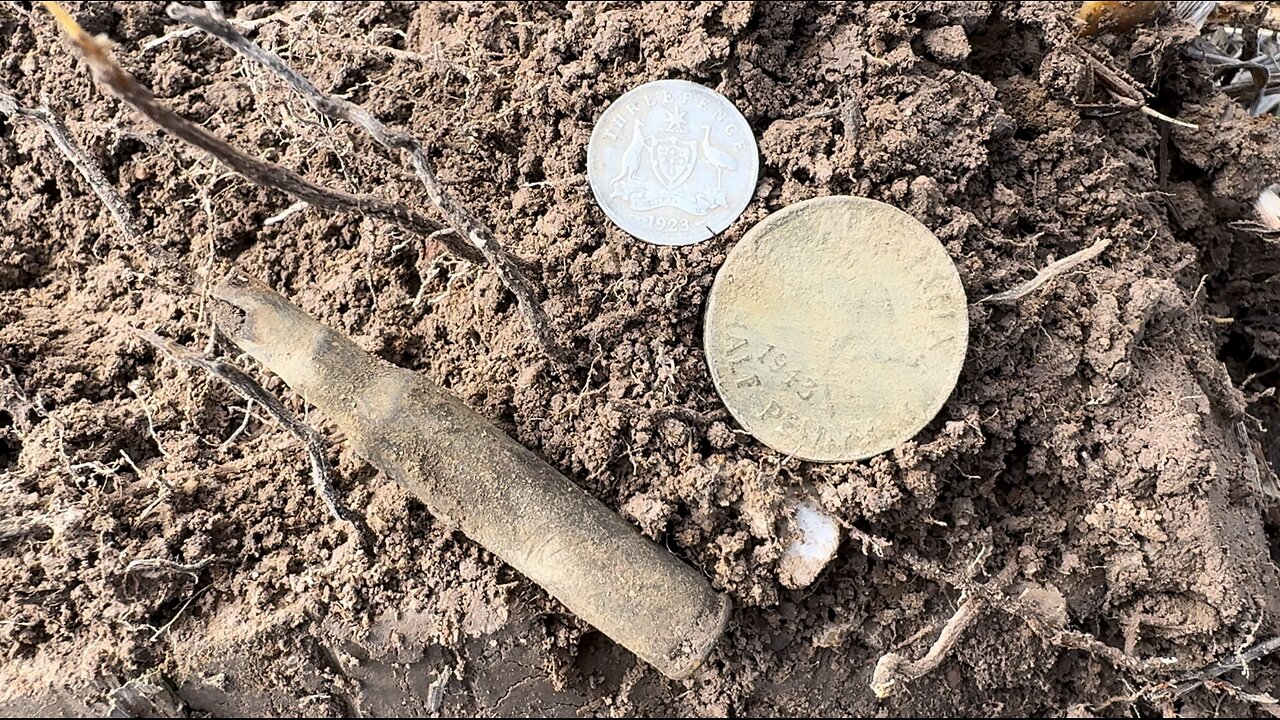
672	162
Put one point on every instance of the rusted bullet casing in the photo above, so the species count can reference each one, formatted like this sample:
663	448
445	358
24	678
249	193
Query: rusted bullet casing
495	490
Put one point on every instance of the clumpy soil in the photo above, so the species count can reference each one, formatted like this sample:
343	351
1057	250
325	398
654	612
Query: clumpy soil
1107	448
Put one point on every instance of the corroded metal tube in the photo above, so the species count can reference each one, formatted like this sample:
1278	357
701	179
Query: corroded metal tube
495	490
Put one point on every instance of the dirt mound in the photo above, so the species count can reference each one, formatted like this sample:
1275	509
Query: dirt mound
1107	442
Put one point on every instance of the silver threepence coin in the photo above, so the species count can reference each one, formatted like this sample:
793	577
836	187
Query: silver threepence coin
836	329
672	162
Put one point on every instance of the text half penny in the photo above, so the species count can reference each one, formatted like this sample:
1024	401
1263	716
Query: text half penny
836	329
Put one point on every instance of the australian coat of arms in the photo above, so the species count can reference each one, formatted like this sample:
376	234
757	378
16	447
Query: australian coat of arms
680	172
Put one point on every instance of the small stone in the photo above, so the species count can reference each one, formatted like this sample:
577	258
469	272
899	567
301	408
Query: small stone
815	537
947	44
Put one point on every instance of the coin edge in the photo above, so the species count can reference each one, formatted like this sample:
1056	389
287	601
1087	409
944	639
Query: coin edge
749	237
755	160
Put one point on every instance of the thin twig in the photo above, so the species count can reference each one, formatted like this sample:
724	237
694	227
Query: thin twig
465	223
1050	271
893	670
124	86
247	387
1114	82
247	25
1230	663
92	174
1076	640
993	594
155	566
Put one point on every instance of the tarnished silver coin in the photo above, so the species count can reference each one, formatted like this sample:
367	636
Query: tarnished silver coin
672	162
836	329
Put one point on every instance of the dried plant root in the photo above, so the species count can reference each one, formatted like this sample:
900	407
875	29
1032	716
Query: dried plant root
247	387
286	16
124	86
1049	272
175	272
1230	663
1066	639
88	169
463	222
160	566
893	670
1127	96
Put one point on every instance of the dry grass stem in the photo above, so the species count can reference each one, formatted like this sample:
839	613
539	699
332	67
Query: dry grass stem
1049	272
460	218
247	387
157	566
98	182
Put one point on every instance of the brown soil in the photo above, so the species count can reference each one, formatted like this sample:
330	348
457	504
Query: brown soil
1108	435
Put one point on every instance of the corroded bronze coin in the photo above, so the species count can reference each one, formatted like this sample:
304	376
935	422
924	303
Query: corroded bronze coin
836	329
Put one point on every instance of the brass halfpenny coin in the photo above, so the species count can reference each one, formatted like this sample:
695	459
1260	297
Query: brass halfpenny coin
836	329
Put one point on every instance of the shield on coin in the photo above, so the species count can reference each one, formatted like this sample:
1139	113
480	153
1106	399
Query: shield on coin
673	160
